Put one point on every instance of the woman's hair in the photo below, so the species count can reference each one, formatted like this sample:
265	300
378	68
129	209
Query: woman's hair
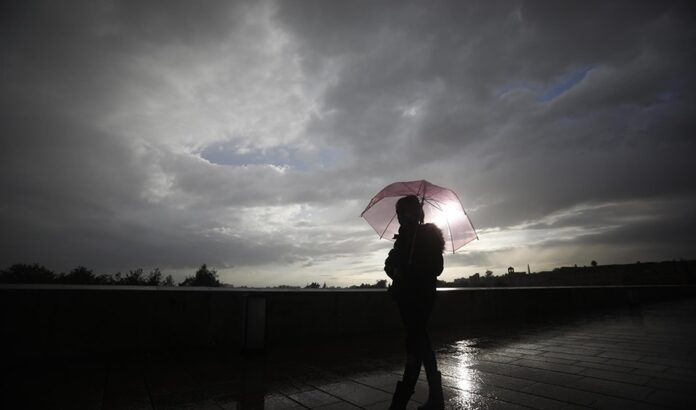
410	203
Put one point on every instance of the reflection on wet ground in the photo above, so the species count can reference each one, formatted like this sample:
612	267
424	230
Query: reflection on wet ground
634	359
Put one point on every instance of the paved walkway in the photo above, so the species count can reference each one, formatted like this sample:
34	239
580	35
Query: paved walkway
642	358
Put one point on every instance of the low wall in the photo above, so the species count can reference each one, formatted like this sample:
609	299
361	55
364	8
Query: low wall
56	319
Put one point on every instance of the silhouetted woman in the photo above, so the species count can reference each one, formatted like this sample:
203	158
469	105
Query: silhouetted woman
414	264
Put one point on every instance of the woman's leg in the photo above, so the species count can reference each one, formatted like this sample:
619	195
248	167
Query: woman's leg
404	388
413	350
435	397
426	349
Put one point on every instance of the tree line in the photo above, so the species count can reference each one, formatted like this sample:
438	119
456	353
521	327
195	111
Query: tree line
39	274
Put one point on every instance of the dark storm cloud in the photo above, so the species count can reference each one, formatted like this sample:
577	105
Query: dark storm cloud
251	133
623	131
74	187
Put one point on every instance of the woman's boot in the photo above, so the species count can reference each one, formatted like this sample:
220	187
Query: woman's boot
401	396
436	400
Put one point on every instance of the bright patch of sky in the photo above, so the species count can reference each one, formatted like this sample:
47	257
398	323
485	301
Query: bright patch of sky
297	157
560	85
564	83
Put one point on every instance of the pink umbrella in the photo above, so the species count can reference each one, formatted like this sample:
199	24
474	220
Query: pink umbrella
441	206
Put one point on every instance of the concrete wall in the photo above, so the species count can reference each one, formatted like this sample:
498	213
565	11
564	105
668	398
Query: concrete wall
55	319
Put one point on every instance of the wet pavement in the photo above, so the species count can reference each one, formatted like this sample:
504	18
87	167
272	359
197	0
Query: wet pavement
640	358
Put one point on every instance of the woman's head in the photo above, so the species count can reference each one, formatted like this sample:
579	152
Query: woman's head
409	209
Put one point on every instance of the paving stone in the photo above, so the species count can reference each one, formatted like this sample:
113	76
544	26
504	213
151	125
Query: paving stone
538	375
560	393
604	366
355	393
539	364
667	375
508	382
574	350
531	400
499	358
681	371
616	403
379	379
279	402
620	355
228	402
549	359
616	376
668	362
530	346
668	399
672	385
575	357
291	387
313	398
613	388
342	405
521	351
385	405
467	401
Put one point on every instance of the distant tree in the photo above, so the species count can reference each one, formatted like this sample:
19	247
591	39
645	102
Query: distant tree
489	273
154	278
381	284
313	285
203	277
23	273
168	281
134	278
103	279
511	270
78	276
324	287
594	264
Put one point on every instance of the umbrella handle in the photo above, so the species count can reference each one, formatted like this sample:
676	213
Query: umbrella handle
415	233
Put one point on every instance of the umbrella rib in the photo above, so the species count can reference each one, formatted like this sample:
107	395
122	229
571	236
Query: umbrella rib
435	203
449	228
387	227
467	217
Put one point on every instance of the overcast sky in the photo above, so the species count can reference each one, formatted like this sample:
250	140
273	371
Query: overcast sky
250	135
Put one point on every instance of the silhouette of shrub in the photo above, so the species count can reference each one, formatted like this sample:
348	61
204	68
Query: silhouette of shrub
78	276
154	278
134	278
203	277
23	273
168	281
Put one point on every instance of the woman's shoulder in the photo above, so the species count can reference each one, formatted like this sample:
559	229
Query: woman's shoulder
433	236
430	229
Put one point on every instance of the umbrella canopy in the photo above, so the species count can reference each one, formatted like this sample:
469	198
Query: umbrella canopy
441	206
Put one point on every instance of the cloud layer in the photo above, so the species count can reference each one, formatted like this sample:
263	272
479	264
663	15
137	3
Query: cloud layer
250	135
